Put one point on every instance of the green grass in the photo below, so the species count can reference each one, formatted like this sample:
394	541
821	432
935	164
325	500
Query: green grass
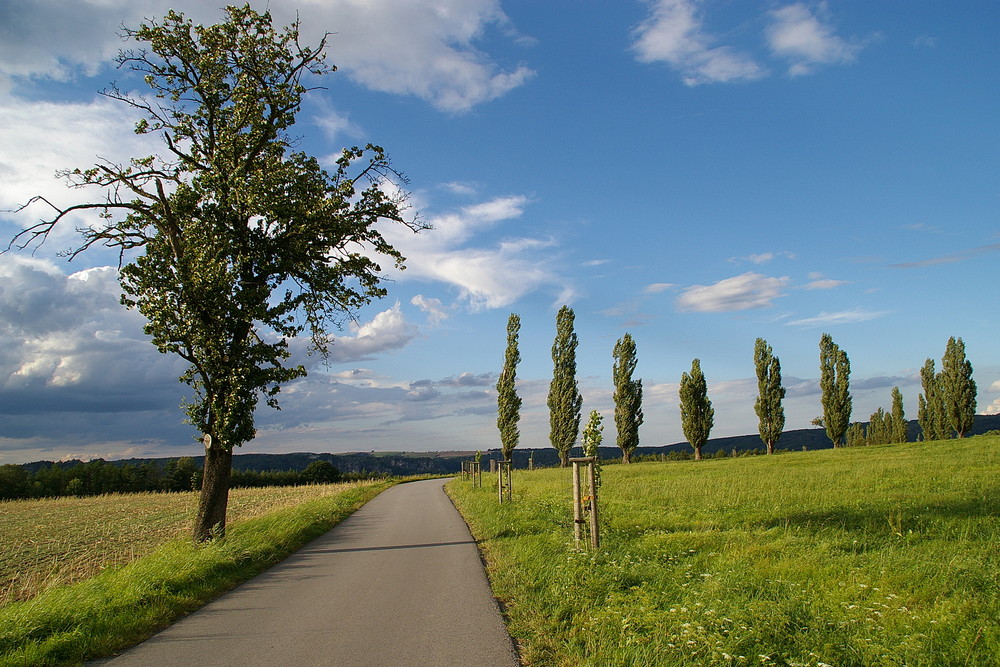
871	556
120	606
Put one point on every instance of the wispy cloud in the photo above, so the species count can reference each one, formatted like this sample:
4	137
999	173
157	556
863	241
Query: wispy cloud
798	35
840	317
435	310
487	275
825	283
764	257
656	288
743	292
960	256
674	34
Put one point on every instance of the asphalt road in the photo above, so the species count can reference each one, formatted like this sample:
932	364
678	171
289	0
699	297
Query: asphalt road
397	583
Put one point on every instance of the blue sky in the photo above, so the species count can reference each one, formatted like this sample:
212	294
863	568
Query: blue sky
698	174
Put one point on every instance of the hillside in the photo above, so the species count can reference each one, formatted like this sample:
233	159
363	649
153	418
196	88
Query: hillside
416	463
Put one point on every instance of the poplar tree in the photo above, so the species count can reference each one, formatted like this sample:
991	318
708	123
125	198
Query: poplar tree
564	398
235	242
592	437
770	413
835	378
879	428
697	415
508	402
628	397
898	418
930	404
958	389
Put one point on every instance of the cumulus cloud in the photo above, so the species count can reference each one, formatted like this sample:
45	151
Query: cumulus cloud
743	292
674	34
852	316
764	257
426	49
798	35
387	331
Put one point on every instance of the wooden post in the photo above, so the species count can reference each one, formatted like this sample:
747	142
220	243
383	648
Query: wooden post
578	519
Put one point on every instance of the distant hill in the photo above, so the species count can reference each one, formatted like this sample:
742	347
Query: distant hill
416	463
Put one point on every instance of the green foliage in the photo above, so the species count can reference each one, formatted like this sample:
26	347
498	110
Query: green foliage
930	404
898	417
957	387
856	436
627	396
770	393
853	557
697	414
508	402
321	472
243	242
564	399
592	437
835	377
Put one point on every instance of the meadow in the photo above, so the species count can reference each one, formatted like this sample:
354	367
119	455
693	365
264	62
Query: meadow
86	577
885	555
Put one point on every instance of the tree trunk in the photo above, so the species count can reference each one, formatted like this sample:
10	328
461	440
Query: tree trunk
564	458
211	521
626	456
697	453
770	447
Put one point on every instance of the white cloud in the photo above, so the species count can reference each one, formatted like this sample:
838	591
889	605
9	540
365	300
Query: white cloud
388	330
795	33
656	288
743	292
839	317
995	386
491	276
673	34
39	138
825	283
436	312
426	49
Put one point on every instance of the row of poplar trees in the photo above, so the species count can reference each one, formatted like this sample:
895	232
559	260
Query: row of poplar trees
946	407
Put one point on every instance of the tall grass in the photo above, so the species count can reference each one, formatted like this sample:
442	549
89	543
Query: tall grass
123	605
872	556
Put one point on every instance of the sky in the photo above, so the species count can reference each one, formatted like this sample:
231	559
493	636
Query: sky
696	173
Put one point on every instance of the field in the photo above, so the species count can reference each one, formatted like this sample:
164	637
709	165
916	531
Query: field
56	541
135	568
871	556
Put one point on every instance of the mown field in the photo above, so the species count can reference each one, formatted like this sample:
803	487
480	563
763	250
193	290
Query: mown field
870	556
86	577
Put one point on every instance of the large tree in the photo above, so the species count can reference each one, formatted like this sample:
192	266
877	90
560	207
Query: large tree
958	388
930	404
564	398
834	382
628	396
508	402
235	241
697	414
770	393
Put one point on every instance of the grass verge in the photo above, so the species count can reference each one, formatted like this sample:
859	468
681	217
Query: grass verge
120	607
870	556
